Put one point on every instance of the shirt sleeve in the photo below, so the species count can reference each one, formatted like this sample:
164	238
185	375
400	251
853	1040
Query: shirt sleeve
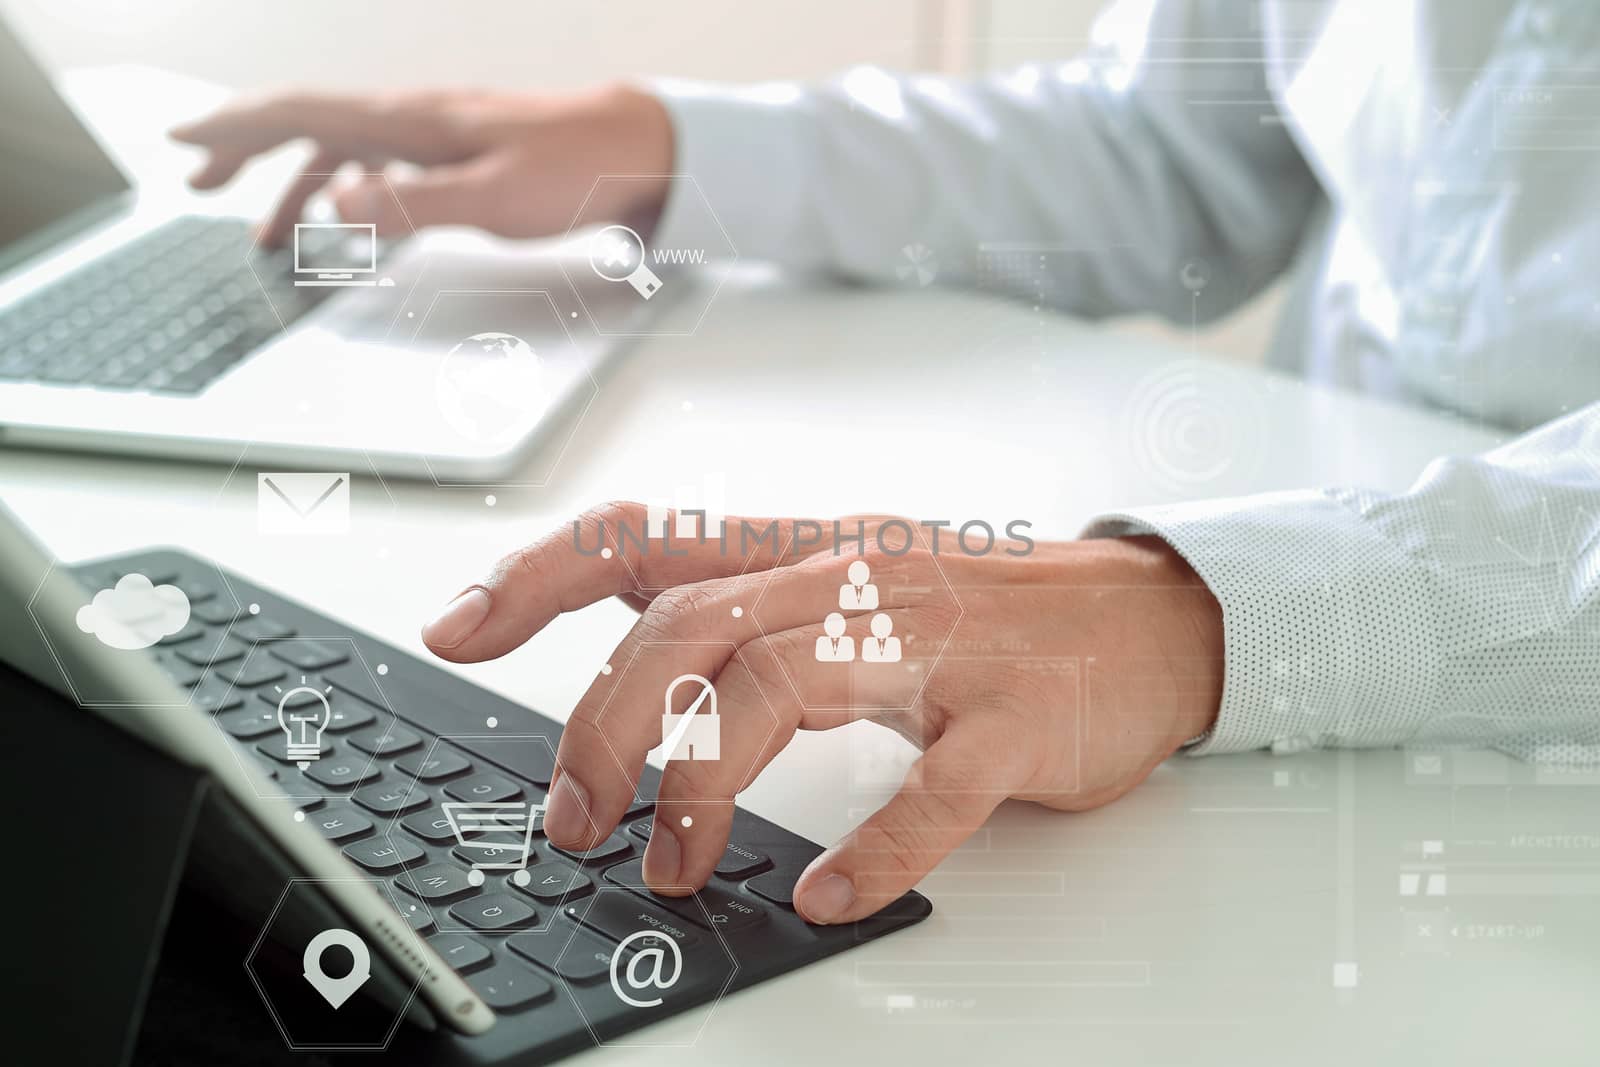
1465	610
1101	185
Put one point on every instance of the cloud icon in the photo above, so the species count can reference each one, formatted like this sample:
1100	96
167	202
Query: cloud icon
135	614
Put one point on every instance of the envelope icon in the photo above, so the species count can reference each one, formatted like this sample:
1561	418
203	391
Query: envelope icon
298	503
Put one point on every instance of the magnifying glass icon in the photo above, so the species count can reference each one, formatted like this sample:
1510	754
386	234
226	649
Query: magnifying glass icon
617	254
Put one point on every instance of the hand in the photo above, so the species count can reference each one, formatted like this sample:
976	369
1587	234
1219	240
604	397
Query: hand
1070	673
517	165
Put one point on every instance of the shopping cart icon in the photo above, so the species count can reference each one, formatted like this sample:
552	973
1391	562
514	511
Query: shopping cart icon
502	831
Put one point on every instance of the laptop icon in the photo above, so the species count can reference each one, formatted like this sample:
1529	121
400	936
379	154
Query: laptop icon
335	253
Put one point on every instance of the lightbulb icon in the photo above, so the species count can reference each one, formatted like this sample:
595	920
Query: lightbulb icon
303	713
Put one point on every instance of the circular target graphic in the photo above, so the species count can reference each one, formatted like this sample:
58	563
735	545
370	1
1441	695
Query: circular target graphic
1192	422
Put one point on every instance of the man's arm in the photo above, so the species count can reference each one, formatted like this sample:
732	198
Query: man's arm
1466	609
1105	176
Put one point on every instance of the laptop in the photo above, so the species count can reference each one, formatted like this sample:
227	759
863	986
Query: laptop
127	328
362	808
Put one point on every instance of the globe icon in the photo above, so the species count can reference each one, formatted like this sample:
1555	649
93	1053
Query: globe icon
488	387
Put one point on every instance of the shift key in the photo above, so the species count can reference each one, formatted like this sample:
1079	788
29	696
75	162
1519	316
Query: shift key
722	911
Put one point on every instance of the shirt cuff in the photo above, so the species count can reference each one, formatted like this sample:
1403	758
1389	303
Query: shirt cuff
1330	637
740	156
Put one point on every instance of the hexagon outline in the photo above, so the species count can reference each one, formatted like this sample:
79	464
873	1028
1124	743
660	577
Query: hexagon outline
54	564
715	290
236	745
255	947
404	214
771	574
577	421
711	1008
416	783
611	694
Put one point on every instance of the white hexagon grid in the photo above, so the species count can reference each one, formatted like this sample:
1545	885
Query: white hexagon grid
223	590
568	416
273	1009
505	868
717	263
710	1007
291	784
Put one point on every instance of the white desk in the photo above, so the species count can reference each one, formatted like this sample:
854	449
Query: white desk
1197	921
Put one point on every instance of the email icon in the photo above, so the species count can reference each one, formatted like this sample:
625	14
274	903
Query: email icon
302	503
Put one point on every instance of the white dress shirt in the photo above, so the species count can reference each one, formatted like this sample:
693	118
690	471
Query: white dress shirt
1429	173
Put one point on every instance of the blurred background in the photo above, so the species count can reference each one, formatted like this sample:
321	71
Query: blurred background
532	44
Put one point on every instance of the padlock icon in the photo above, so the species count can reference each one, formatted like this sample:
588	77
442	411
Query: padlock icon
697	733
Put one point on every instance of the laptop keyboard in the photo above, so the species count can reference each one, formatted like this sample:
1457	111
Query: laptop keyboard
537	941
167	313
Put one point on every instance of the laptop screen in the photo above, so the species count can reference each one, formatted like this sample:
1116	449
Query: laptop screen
50	167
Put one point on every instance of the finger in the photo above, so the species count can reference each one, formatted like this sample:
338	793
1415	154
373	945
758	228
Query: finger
317	172
414	128
948	795
456	194
603	553
694	808
689	630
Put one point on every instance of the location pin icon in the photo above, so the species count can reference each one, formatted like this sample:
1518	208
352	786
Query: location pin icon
337	990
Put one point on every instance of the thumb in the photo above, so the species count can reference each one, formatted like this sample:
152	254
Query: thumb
450	195
946	797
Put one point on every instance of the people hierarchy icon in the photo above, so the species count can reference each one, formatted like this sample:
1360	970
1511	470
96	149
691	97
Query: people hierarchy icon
858	594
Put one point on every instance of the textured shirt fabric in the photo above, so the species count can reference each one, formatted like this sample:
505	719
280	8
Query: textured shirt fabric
1426	170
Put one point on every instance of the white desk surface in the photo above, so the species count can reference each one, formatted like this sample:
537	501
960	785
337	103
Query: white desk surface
1197	921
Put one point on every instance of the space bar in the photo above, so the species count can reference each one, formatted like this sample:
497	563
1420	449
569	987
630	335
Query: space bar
529	755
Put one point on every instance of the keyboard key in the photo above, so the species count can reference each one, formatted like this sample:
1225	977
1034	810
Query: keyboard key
218	612
776	886
308	655
299	696
418	918
185	674
508	987
443	762
197	592
430	825
249	723
617	915
207	654
340	824
613	847
638	808
495	912
191	632
389	742
570	951
641	829
278	748
741	861
383	855
392	799
437	882
345	714
254	671
342	773
463	953
485	786
255	628
726	912
549	883
493	855
214	695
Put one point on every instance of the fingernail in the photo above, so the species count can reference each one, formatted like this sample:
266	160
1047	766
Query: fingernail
826	899
663	857
458	620
567	817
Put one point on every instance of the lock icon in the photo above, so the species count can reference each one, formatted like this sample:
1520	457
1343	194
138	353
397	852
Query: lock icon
697	733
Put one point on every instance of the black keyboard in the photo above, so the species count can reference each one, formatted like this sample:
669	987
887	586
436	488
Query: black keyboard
537	948
168	312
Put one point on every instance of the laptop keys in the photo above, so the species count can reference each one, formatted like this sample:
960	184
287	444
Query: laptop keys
487	787
508	987
384	855
461	952
495	913
442	762
391	742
